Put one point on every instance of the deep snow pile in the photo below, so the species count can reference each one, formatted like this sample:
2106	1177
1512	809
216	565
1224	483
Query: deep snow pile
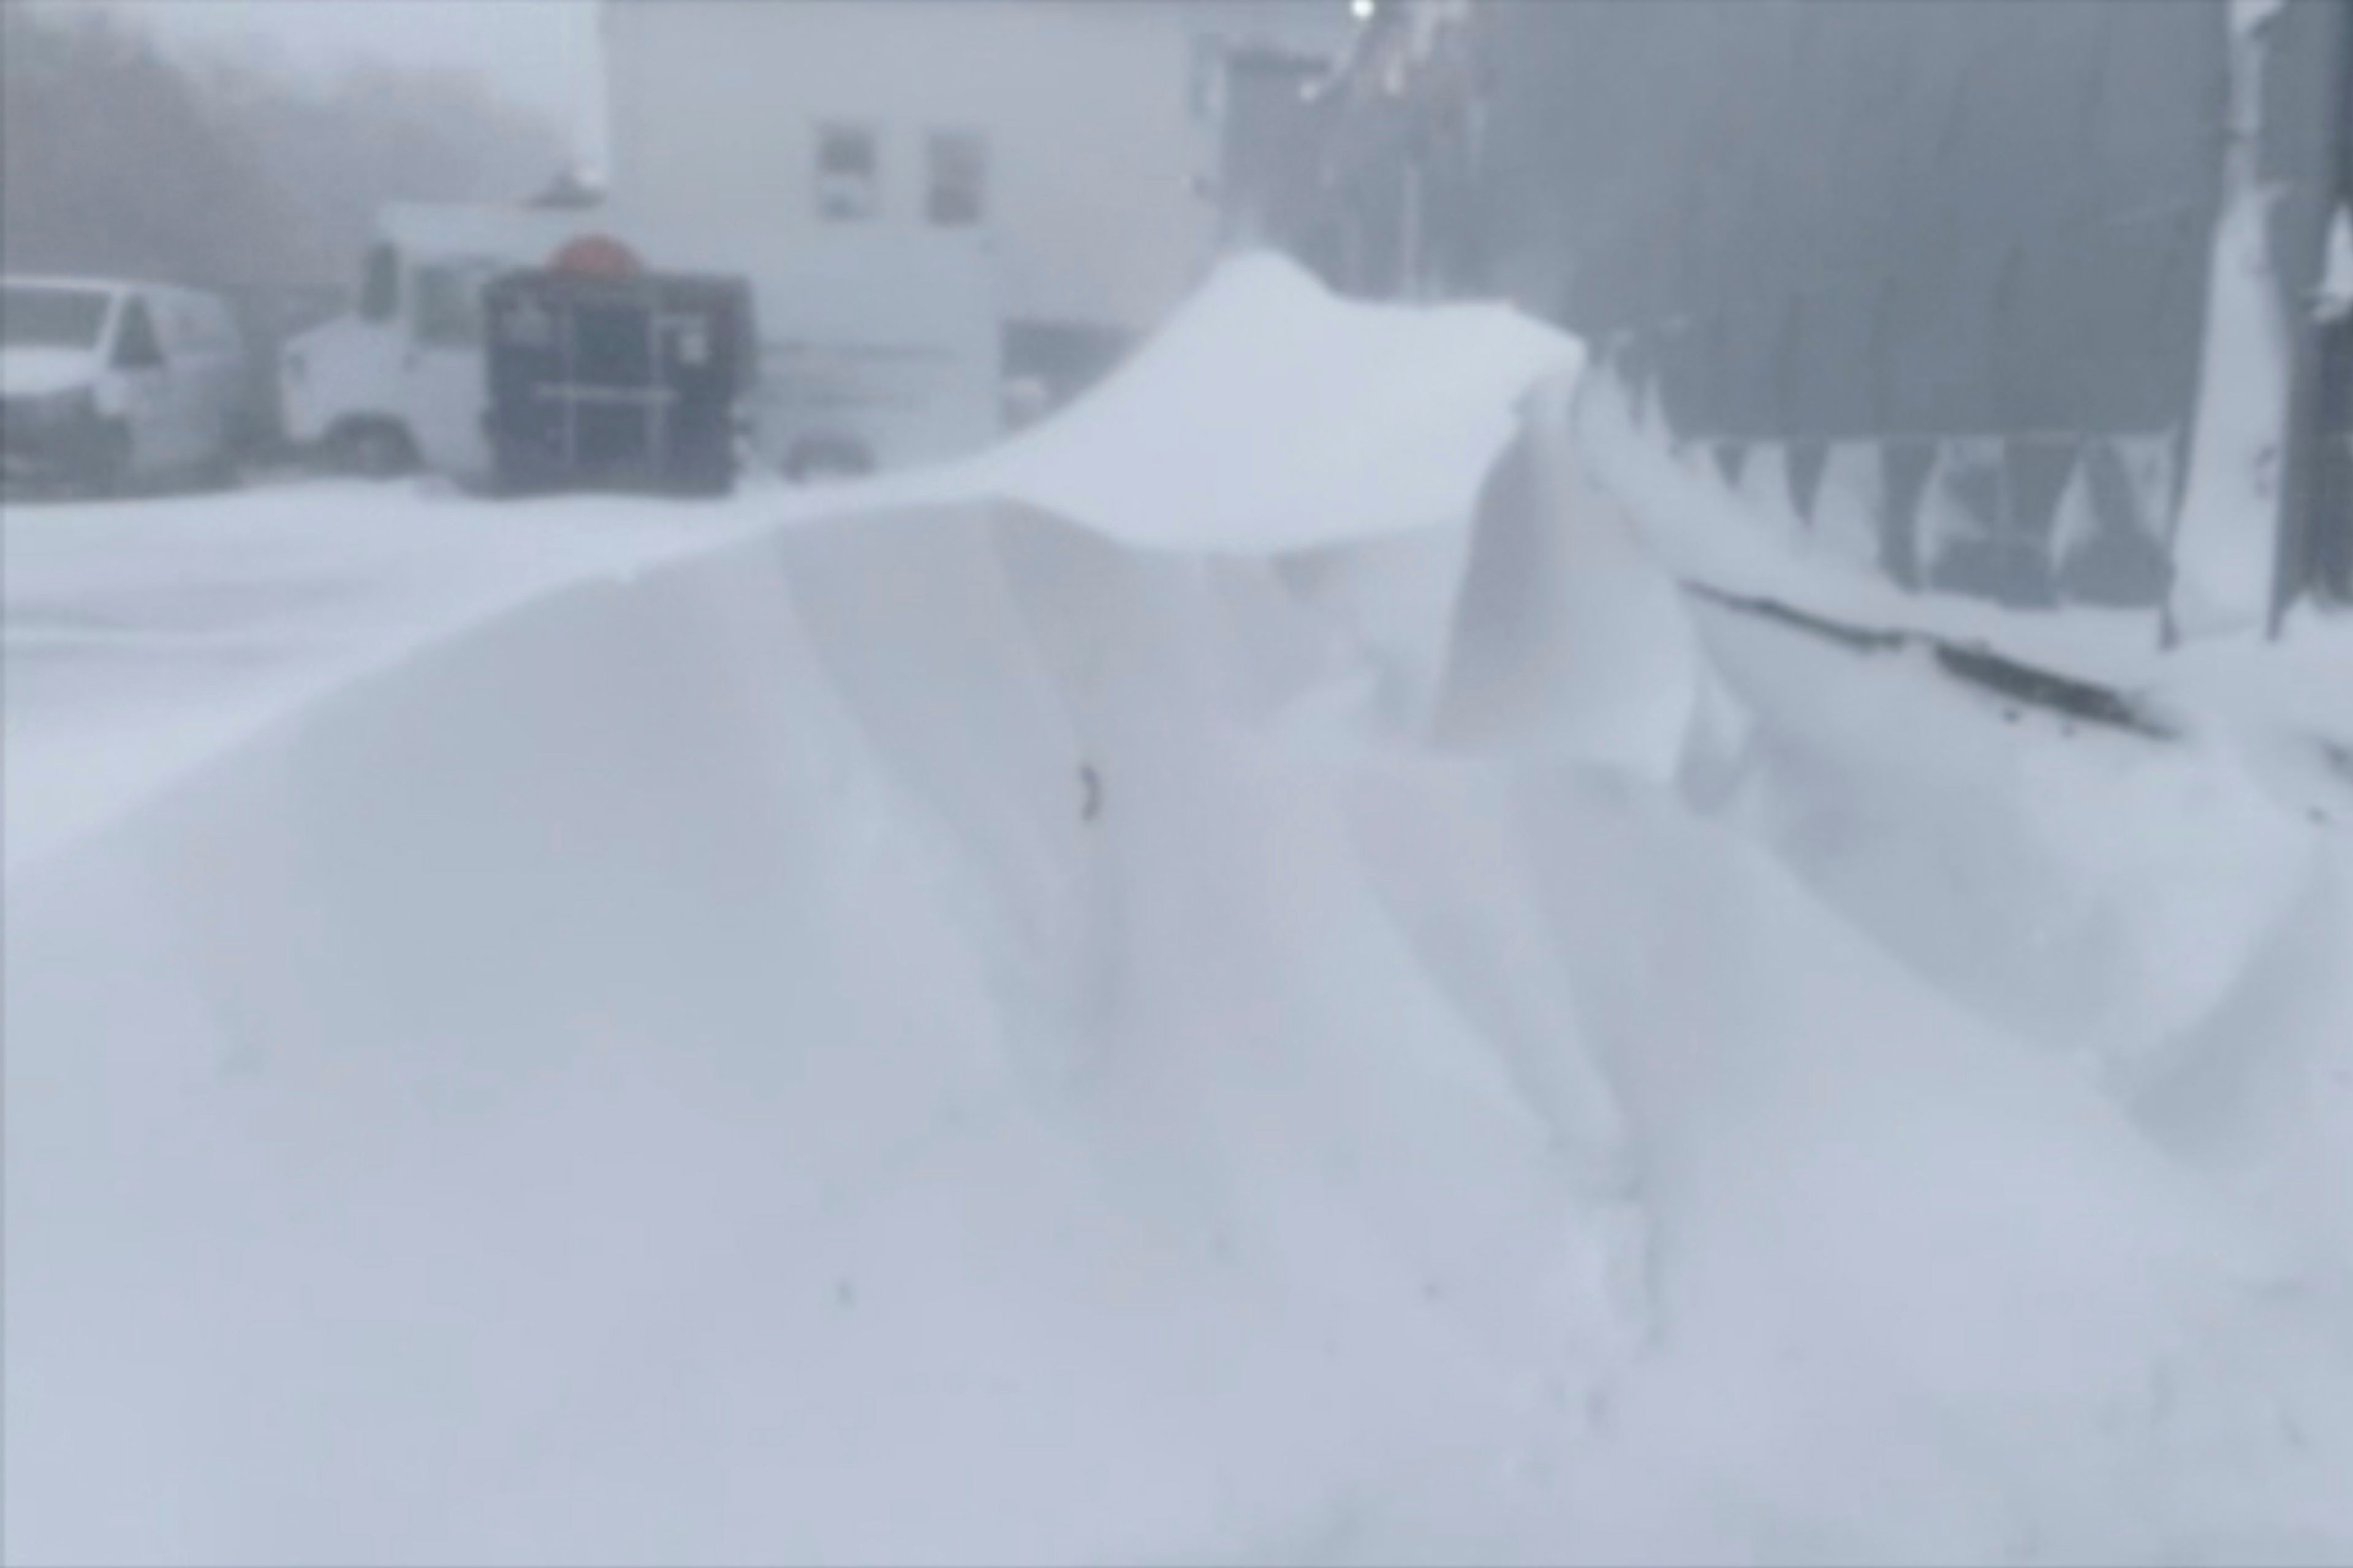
2172	911
1271	415
937	1034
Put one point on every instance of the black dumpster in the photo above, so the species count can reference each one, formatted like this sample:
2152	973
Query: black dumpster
608	380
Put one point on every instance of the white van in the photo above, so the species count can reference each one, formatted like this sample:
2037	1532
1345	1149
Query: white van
108	385
876	350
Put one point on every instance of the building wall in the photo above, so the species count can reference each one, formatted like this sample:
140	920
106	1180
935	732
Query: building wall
1097	120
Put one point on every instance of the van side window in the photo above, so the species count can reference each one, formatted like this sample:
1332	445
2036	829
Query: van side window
135	347
848	174
380	284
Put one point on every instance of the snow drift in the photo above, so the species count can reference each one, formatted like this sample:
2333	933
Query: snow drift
683	1036
2165	910
1272	415
938	1035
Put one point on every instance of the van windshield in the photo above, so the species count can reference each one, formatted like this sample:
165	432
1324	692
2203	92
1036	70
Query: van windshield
39	317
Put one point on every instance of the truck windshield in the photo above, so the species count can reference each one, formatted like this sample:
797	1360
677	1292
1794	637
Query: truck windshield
45	317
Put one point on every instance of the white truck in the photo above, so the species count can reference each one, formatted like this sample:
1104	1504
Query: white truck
877	350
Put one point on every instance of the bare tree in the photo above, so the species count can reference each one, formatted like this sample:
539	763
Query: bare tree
118	159
111	160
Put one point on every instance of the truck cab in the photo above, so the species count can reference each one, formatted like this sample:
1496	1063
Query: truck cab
398	383
876	351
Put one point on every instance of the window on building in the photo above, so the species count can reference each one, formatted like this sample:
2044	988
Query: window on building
957	193
848	174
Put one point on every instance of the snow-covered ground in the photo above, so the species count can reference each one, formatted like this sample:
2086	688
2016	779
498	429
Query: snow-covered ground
143	637
1242	979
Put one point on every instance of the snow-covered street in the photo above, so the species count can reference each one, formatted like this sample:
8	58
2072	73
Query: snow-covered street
1246	977
143	635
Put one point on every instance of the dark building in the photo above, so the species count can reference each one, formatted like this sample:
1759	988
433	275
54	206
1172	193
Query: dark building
1931	226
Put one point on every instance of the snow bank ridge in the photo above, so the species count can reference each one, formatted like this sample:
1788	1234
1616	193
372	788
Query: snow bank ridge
939	1035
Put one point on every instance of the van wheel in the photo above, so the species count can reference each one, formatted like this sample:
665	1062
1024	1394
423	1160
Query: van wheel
816	458
376	448
221	472
107	472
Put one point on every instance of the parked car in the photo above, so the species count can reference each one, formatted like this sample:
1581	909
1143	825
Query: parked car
107	385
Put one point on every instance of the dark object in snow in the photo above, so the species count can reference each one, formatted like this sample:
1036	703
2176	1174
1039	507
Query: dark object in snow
2338	759
2058	693
2080	699
601	377
1864	639
1090	793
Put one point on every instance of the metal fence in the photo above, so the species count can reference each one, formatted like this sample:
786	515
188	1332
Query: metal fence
1972	239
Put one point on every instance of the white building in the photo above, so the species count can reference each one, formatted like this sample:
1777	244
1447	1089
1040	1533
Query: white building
1079	137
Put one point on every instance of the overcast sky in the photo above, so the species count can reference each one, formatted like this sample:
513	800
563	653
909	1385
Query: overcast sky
541	53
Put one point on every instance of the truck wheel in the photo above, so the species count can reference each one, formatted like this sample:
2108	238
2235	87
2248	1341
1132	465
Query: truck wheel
375	448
